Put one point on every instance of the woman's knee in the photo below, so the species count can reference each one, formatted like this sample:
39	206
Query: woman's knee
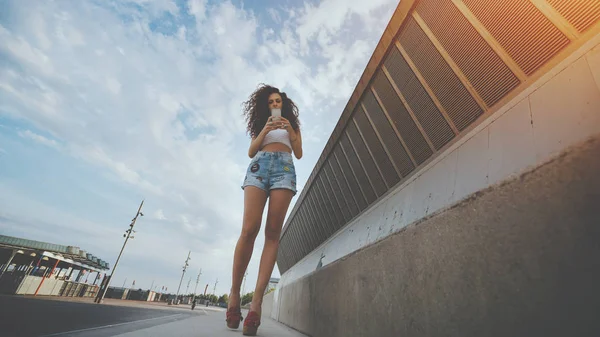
272	232
249	233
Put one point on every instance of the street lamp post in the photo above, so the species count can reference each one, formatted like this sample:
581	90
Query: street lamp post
197	280
127	236
186	264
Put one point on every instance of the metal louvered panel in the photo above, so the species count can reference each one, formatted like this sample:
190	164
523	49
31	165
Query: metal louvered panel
281	254
325	210
582	14
293	242
379	154
331	217
307	230
338	202
286	258
475	58
331	201
337	192
283	257
352	182
320	224
298	228
314	235
388	135
448	50
406	126
314	224
282	264
320	205
289	261
428	115
329	204
309	227
299	241
317	224
302	232
317	212
365	158
447	87
286	246
342	182
358	170
521	29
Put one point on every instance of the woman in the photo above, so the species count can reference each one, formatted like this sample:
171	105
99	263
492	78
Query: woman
270	175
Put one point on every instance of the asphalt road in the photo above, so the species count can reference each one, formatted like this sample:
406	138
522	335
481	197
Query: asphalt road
24	317
75	317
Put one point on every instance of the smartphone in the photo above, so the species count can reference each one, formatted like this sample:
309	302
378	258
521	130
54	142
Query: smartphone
276	113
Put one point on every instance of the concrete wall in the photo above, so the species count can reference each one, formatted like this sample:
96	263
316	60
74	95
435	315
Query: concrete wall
50	287
267	306
560	109
519	259
117	292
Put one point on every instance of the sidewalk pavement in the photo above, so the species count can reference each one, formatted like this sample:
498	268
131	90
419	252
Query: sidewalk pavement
201	322
126	303
212	325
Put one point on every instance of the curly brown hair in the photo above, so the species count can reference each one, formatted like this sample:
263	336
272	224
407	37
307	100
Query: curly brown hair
256	109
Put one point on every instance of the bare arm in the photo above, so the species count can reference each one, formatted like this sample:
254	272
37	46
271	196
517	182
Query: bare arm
296	140
258	139
255	144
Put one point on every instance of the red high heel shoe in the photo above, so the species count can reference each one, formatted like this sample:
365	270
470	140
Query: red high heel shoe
251	324
234	316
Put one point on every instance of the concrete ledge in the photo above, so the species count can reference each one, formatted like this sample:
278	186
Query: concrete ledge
517	259
267	306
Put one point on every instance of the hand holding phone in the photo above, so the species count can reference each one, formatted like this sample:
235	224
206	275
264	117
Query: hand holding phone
276	113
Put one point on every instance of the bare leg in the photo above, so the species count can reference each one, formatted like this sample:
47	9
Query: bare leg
278	205
254	204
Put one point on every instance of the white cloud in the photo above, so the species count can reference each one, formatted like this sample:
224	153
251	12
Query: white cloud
157	7
159	215
328	17
39	138
113	85
274	14
98	156
198	9
21	49
154	101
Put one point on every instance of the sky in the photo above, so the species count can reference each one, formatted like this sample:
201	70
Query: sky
107	103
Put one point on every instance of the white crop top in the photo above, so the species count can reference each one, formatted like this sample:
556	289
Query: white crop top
277	136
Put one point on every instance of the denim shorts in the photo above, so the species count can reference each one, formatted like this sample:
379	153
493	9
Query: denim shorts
271	170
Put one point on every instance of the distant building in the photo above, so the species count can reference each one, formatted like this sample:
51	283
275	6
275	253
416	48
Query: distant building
29	267
272	284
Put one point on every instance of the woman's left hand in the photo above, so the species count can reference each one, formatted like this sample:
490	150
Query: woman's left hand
284	124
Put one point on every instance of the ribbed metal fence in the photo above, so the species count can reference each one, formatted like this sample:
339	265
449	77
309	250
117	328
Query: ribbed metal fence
449	63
